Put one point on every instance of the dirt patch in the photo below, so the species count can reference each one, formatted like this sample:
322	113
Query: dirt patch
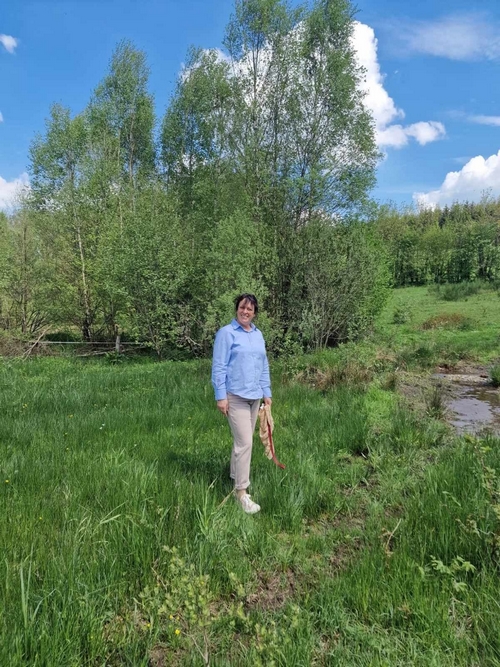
448	321
464	368
161	656
273	591
343	555
158	657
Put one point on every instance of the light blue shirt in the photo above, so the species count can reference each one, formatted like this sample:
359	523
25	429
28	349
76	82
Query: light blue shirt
240	363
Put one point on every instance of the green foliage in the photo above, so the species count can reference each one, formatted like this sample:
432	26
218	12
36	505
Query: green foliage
401	315
457	291
343	278
436	402
495	375
454	245
152	231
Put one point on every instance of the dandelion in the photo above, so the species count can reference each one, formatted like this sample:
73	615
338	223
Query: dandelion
171	617
70	416
177	631
6	481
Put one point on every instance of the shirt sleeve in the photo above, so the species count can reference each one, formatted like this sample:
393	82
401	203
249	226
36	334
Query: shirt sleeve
265	379
220	361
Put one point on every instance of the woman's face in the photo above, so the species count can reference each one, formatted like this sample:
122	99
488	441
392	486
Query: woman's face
245	313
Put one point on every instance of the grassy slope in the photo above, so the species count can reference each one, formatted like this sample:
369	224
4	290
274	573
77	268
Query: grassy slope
354	560
479	340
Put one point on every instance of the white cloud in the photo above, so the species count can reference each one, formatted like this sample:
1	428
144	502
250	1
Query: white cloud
486	120
475	178
1	117
466	36
423	132
10	191
381	104
10	43
426	131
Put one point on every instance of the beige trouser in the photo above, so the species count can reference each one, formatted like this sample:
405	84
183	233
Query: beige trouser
242	417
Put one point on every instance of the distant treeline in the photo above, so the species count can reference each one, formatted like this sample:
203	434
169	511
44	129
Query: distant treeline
451	244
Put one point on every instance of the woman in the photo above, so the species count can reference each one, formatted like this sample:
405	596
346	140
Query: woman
240	377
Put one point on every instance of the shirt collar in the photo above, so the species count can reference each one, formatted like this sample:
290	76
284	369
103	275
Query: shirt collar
236	325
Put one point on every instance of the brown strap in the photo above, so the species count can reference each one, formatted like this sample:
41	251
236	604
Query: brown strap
269	432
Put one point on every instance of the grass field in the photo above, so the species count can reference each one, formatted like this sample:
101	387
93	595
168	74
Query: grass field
378	545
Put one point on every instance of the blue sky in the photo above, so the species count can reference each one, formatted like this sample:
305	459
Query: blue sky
432	71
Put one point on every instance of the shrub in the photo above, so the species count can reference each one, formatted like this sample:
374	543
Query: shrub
456	291
401	315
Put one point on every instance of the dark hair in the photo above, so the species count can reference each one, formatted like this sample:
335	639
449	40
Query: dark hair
247	297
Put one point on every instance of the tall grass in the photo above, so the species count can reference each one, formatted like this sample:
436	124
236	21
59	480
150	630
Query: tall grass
103	466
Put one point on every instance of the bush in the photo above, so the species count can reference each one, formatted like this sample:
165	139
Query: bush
401	315
456	291
65	336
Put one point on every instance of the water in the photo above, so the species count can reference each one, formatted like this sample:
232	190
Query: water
473	405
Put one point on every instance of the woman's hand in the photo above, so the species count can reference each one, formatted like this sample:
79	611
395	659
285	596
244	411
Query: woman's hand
223	406
268	401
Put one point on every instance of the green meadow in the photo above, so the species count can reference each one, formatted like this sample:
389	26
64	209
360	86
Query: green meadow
378	545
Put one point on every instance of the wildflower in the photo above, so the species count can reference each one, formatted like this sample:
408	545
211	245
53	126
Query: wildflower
6	481
171	617
40	518
70	416
177	631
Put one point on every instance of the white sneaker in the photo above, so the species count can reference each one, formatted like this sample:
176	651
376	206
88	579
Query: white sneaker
248	504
